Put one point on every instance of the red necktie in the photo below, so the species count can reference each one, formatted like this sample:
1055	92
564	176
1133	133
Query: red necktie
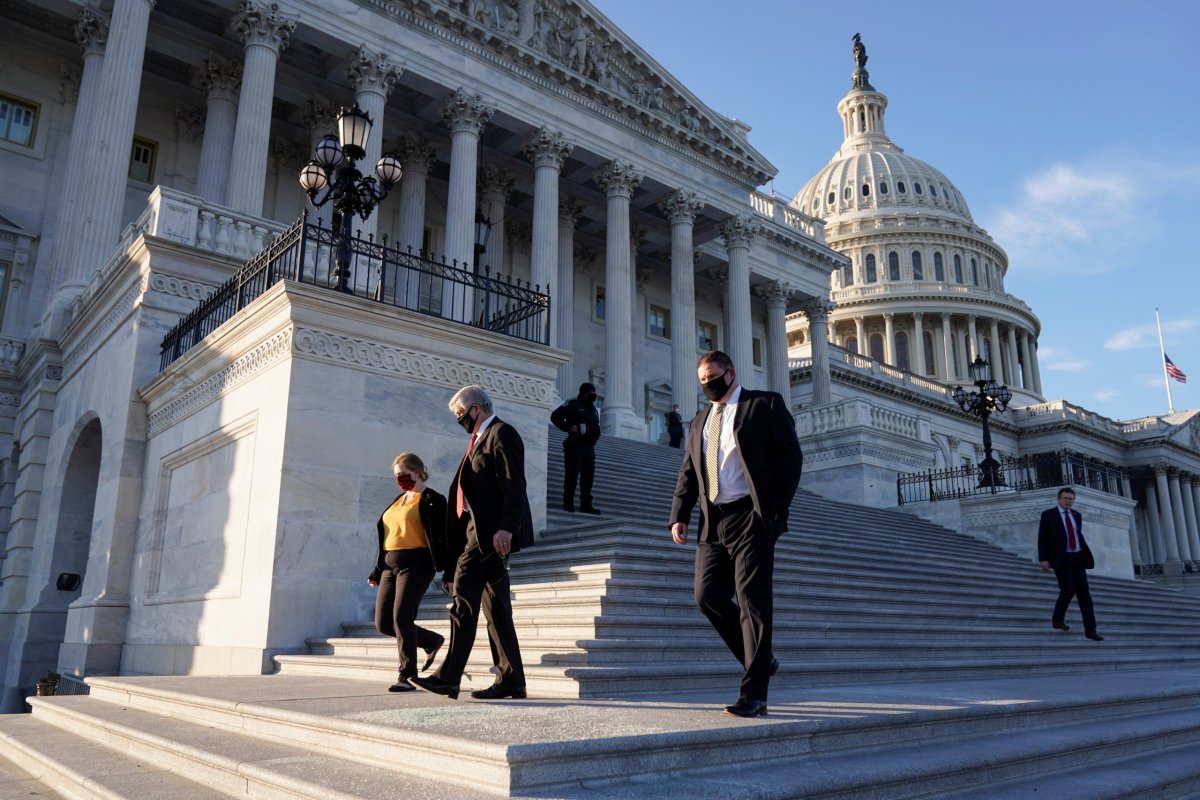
460	501
1072	546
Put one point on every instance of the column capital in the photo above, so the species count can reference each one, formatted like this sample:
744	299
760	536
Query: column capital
817	309
569	211
720	276
1161	470
618	178
680	206
259	24
918	316
91	31
320	115
637	236
372	72
738	231
775	293
219	77
463	112
889	315
189	123
494	184
416	152
545	148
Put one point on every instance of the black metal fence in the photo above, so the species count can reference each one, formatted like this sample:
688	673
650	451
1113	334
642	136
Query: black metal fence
309	253
1040	471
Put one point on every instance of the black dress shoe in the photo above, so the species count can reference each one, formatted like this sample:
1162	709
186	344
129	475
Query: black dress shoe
498	692
747	708
431	654
434	686
1061	626
1095	637
401	685
589	510
569	508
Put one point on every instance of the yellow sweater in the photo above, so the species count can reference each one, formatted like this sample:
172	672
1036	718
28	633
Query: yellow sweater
402	524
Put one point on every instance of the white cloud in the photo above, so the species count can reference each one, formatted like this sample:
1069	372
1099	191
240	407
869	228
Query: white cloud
1140	336
1105	395
1055	359
1090	217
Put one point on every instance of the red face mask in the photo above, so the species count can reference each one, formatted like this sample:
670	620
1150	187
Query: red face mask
405	482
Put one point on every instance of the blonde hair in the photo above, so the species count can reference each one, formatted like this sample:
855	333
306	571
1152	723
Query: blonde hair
413	463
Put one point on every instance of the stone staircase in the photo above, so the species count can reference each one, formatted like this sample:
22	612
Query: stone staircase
917	662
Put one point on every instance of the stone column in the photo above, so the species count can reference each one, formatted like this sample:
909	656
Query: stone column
265	33
777	295
680	208
220	79
860	334
998	372
1167	520
1135	550
372	76
1037	370
569	212
973	336
817	310
417	156
1014	370
889	339
618	180
919	344
494	187
1026	361
1189	516
102	190
738	232
465	116
1155	537
91	32
548	152
948	349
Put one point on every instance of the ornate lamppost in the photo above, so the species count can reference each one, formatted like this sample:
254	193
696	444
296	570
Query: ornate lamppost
333	170
991	398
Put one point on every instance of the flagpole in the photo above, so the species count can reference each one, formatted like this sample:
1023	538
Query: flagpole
1162	354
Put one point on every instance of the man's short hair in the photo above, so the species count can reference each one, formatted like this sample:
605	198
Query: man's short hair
472	396
715	357
1066	490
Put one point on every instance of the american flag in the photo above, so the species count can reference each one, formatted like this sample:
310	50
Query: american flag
1174	371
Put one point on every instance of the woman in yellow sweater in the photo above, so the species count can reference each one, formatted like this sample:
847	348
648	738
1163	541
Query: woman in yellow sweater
412	548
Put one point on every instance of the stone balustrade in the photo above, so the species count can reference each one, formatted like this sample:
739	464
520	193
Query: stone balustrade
886	372
859	413
777	209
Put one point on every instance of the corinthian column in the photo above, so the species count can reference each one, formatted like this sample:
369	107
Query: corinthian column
372	76
1135	549
1177	515
102	191
1014	370
220	79
569	212
417	155
1037	370
738	233
919	345
998	372
264	33
817	310
618	180
548	151
889	339
1189	516
494	188
1166	517
91	32
465	116
1026	362
777	294
680	208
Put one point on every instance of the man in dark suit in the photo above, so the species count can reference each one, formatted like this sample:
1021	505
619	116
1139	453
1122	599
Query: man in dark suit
675	426
580	421
489	518
1061	547
743	465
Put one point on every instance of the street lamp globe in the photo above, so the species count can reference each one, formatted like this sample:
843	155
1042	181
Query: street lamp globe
389	170
354	126
980	371
329	153
313	178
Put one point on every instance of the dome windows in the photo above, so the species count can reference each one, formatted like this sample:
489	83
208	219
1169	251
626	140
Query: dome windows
847	193
974	272
918	269
894	266
939	268
831	199
816	204
917	188
932	190
866	190
900	187
872	275
958	276
883	188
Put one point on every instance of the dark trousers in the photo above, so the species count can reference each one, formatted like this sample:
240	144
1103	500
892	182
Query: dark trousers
740	563
481	581
1072	582
676	435
579	461
401	587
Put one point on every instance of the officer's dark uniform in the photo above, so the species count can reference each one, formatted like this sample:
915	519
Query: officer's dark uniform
579	449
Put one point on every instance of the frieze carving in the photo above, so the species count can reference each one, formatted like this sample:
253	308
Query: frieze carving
870	451
180	287
104	327
265	355
391	360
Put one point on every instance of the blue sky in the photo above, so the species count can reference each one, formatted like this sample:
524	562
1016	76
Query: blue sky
1069	126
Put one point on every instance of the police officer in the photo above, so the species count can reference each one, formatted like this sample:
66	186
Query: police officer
579	419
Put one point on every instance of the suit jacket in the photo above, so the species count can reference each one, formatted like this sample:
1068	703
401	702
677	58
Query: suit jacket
1052	539
432	508
771	456
493	482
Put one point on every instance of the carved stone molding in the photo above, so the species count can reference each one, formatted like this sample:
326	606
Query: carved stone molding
220	78
547	149
680	206
390	360
739	231
569	211
372	72
265	355
618	178
817	309
102	329
91	31
870	451
10	399
775	292
259	24
494	184
464	112
180	287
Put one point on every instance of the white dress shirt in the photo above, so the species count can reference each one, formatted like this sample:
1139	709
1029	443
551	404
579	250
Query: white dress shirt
731	470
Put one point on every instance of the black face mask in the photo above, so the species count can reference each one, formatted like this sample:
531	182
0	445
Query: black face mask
717	388
588	398
465	421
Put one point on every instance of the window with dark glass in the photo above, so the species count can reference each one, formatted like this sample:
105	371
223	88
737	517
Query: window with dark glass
929	362
706	336
917	188
974	272
5	270
756	351
598	304
18	121
852	344
939	269
141	160
900	187
932	190
918	270
659	322
848	275
866	190
902	360
872	276
893	266
832	198
875	342
958	278
846	193
883	188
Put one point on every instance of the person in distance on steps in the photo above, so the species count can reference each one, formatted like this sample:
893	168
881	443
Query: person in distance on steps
412	547
675	426
489	519
580	421
742	464
1061	547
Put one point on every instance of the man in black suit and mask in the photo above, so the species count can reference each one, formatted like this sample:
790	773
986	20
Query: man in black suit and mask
489	519
743	465
1061	547
579	420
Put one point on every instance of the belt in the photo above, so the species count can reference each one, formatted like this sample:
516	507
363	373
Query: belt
733	506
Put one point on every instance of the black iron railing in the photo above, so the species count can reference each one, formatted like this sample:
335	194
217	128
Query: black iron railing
309	253
1040	471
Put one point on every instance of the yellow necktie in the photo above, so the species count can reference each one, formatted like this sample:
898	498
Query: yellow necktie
710	451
